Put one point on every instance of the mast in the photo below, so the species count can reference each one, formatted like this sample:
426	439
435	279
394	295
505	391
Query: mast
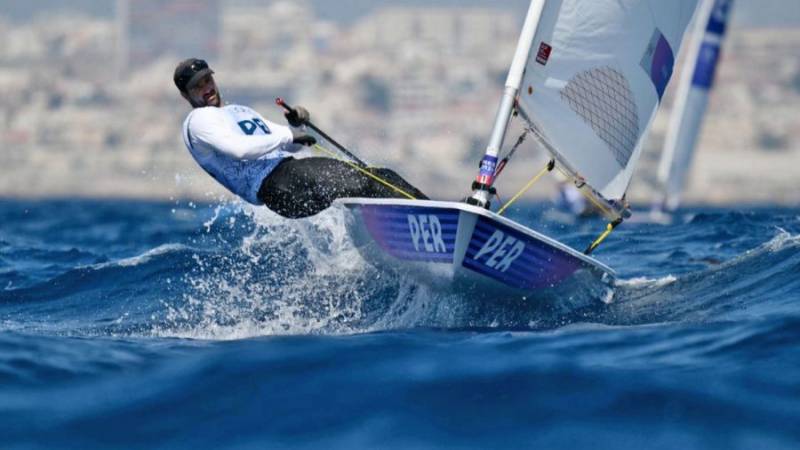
485	178
692	101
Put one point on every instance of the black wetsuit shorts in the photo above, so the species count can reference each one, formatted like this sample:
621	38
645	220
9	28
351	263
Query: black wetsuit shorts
299	188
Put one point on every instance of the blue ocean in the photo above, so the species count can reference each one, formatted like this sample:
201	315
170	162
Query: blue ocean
129	324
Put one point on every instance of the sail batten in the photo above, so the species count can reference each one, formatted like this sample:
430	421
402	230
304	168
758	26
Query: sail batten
594	79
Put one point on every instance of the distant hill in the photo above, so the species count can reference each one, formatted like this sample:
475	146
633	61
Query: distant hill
749	13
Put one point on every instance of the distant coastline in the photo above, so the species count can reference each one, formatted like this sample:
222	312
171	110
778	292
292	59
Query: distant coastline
419	95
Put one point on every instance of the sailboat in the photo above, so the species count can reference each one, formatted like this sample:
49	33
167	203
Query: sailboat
697	79
587	78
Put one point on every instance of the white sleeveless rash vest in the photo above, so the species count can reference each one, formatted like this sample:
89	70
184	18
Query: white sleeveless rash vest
237	146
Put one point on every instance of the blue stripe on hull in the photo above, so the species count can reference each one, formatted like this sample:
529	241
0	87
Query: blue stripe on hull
495	250
516	259
411	233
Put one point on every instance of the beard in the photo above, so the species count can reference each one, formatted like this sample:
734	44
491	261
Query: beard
211	99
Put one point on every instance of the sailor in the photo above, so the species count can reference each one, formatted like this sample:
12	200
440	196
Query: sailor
265	163
570	199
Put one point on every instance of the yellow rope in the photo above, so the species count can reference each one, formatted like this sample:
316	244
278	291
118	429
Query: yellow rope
600	239
609	228
530	184
364	171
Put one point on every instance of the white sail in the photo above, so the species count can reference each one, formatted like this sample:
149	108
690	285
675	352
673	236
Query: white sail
594	79
697	78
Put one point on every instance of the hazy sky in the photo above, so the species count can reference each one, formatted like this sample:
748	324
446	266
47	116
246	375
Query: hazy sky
747	12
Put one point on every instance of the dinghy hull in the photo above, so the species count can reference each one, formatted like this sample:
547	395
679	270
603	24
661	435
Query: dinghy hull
458	247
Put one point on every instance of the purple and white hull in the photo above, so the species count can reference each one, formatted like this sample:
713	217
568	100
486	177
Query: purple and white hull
455	246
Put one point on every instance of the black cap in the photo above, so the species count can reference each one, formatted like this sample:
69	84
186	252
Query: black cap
189	72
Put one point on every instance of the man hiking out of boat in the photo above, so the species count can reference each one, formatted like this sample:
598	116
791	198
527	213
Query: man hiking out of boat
263	162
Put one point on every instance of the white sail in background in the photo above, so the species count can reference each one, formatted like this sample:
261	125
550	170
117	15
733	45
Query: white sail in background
697	78
594	79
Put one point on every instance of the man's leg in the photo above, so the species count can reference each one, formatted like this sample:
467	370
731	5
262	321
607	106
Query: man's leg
304	187
396	180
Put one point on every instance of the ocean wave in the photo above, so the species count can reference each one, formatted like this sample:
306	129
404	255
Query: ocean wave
734	288
696	334
247	273
639	282
283	278
143	258
783	240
